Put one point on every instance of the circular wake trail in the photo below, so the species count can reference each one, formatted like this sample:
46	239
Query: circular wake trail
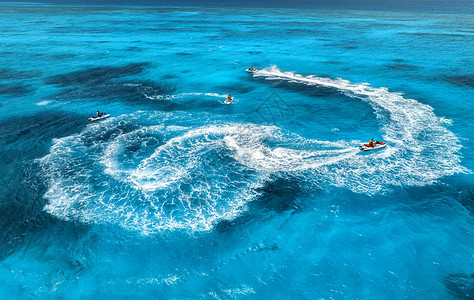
154	171
149	176
421	148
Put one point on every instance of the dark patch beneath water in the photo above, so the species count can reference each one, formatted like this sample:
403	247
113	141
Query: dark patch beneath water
131	91
63	56
14	90
11	74
134	49
401	67
96	42
429	34
237	88
24	222
460	285
466	197
398	60
39	128
302	31
260	246
96	75
350	47
461	80
184	54
170	76
21	184
227	225
102	83
280	195
28	137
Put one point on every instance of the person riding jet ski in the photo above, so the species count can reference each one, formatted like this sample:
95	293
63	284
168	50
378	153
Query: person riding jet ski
251	69
371	143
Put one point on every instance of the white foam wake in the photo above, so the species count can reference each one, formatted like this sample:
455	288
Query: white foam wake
421	150
165	171
183	95
149	176
45	102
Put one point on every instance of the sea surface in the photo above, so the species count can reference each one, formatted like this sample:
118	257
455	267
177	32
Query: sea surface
180	196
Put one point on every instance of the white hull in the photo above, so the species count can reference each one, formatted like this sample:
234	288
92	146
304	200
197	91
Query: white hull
99	118
367	148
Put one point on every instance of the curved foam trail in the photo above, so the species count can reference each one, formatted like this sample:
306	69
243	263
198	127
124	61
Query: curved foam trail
143	174
202	94
183	95
422	148
150	177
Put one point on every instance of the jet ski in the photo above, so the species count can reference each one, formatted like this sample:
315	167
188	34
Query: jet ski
249	70
377	145
102	116
228	101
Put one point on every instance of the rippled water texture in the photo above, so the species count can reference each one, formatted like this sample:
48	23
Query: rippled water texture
179	195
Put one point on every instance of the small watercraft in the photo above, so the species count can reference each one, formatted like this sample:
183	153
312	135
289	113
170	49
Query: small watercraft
250	70
377	145
228	100
102	116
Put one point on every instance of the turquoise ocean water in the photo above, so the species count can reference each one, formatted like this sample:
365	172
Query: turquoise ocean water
178	195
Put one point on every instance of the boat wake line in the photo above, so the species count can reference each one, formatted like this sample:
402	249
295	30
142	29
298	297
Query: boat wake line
183	95
156	171
420	144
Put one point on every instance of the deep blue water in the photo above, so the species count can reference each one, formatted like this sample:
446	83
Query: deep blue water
178	195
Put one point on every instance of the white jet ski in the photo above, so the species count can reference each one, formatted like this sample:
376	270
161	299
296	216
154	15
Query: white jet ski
249	70
378	145
228	101
102	116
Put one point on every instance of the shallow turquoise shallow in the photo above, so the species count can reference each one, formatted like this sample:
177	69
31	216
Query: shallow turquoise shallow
178	195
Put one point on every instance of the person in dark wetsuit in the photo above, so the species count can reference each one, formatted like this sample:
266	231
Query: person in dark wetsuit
99	114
